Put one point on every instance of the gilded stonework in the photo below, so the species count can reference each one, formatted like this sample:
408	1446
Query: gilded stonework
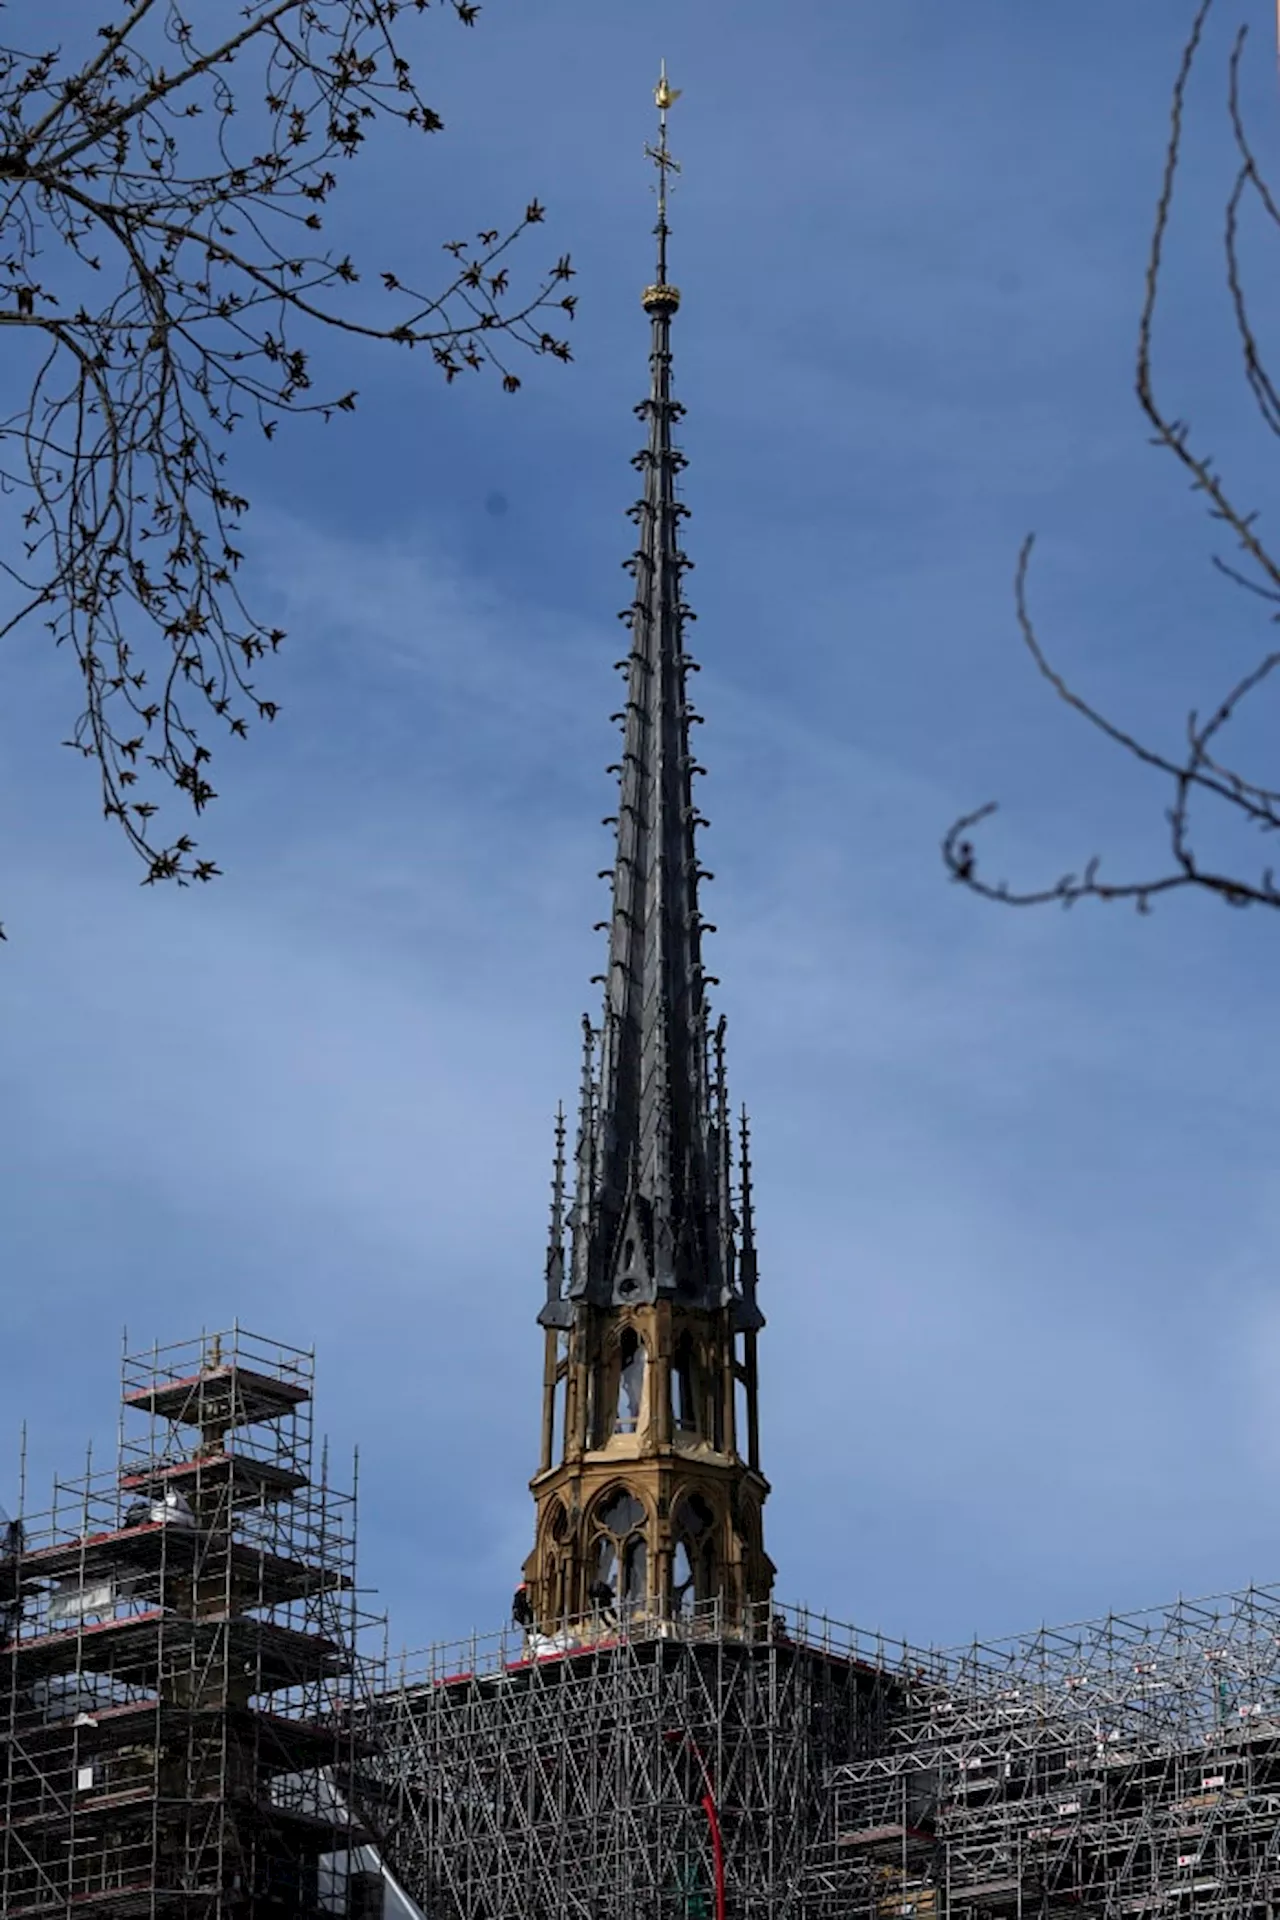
648	1496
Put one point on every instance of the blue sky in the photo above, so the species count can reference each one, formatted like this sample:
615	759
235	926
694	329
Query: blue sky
1017	1183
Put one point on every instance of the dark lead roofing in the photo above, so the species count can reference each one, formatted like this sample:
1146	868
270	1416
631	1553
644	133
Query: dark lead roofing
652	1211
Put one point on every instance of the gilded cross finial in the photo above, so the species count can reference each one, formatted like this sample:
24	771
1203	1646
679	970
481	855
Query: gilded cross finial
661	294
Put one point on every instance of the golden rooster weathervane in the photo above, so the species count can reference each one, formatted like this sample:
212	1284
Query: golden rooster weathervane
664	94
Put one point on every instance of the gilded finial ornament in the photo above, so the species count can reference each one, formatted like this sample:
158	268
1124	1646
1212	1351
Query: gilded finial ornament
662	297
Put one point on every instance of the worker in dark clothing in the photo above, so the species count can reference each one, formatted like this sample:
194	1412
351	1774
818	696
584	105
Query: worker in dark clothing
522	1607
601	1596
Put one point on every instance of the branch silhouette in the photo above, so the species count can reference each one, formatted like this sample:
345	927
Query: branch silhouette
162	204
1197	773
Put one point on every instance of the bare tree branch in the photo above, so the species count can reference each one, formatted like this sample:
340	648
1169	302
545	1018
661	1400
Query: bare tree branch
162	266
1197	773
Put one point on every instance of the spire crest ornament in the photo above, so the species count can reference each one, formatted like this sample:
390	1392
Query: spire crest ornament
661	294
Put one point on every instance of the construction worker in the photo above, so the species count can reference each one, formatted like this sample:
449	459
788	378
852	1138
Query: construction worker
601	1596
522	1607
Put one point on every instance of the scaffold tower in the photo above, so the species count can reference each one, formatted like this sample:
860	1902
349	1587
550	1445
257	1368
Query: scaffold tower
179	1661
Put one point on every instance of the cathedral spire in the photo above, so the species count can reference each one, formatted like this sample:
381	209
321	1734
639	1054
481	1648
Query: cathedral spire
649	1488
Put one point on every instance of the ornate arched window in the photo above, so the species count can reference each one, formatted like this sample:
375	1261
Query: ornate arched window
684	1374
555	1534
693	1566
559	1396
620	1554
631	1363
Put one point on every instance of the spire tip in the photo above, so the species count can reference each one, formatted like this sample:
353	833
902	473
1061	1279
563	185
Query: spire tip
661	297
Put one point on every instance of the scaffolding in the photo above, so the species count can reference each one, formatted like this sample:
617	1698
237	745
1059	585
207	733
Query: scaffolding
1126	1767
190	1726
603	1774
181	1673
